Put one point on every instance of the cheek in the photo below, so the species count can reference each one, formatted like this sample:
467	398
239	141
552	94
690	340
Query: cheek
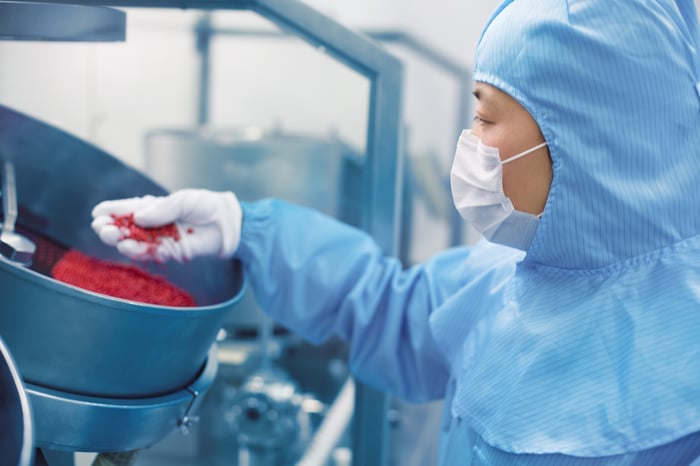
527	183
498	139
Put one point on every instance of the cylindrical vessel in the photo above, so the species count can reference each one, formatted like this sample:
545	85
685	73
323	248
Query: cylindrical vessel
69	339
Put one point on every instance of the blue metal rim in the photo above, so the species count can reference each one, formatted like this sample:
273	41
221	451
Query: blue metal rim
70	422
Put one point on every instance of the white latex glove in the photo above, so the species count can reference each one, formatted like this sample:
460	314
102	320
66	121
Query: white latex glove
208	224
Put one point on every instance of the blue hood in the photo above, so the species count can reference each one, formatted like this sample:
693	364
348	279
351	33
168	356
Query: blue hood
595	348
615	89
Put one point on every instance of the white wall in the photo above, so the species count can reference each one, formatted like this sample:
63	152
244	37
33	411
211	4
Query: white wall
452	26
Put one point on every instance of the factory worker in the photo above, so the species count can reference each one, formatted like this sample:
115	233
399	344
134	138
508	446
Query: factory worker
570	335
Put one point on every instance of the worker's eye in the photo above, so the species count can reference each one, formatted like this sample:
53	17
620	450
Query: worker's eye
481	121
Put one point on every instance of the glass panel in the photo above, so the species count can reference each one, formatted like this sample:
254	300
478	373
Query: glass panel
434	113
263	76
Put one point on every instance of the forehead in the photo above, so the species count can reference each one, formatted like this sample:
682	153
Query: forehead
492	99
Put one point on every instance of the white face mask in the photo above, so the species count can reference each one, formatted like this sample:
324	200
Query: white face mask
477	192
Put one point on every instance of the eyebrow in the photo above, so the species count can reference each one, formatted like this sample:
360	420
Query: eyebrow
487	99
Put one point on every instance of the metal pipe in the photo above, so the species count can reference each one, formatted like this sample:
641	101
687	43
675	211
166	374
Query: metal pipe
13	246
334	424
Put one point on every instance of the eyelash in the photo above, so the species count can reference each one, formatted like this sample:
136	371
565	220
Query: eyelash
481	121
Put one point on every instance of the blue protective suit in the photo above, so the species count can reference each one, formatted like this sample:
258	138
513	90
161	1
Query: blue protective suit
588	344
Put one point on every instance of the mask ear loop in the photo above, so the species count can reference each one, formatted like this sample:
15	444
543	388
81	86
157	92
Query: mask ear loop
523	154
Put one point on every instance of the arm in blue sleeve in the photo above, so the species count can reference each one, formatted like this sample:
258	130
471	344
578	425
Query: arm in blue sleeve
322	278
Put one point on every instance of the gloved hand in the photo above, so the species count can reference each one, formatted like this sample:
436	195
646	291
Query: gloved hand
180	226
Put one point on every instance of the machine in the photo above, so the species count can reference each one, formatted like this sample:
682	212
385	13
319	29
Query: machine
125	380
101	374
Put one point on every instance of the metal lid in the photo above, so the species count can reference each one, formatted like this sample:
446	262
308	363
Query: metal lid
36	21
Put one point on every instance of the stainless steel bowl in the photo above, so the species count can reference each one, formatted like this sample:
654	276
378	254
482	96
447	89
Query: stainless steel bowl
69	339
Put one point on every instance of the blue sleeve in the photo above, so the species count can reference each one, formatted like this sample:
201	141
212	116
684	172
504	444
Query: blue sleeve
322	278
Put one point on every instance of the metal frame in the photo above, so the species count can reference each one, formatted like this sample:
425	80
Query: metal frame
383	163
462	75
359	53
205	31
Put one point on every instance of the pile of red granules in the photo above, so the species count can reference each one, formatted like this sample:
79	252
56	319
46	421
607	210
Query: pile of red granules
151	236
122	280
118	280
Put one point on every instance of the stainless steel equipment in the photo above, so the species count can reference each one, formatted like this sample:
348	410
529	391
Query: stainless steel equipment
377	176
16	435
67	338
70	422
102	373
255	163
267	418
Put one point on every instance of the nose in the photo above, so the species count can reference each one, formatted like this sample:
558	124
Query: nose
476	130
